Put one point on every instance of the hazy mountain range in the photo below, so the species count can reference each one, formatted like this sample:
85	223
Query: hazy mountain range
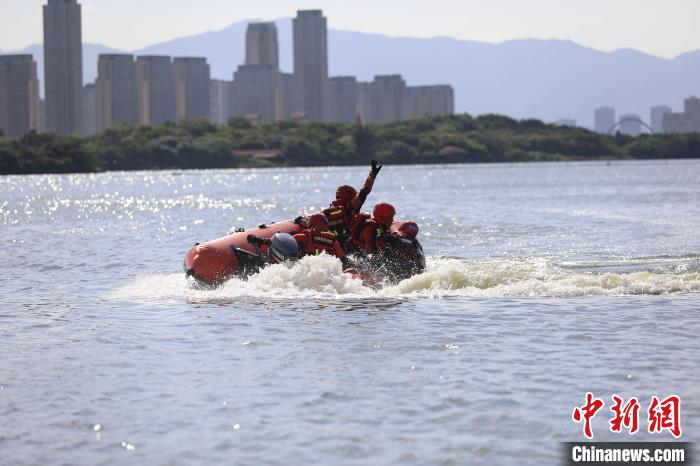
546	79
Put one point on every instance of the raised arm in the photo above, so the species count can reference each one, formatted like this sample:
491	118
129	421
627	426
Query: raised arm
361	197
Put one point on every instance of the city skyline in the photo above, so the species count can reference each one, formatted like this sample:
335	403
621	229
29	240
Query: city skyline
309	90
604	26
151	89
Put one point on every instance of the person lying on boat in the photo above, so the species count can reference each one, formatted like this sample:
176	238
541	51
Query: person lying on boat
348	203
314	240
370	233
403	248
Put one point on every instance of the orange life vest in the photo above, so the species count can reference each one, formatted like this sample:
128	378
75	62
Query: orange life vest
362	221
319	241
338	219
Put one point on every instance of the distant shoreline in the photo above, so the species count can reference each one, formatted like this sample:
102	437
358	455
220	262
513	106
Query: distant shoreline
451	139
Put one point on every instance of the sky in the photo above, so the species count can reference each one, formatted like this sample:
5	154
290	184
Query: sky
663	28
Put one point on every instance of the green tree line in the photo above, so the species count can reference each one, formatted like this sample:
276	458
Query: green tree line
445	139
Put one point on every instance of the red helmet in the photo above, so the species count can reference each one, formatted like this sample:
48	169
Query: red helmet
384	214
318	222
409	229
345	193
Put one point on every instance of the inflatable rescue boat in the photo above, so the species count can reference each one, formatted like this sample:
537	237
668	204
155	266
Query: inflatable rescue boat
233	255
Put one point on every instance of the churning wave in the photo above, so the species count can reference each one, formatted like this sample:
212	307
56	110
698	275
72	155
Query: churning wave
321	277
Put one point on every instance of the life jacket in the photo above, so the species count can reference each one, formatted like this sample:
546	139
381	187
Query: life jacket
338	217
319	241
358	225
362	221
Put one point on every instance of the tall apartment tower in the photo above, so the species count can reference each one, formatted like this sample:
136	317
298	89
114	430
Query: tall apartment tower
117	90
387	98
63	66
342	99
258	86
656	115
156	85
289	96
192	78
219	101
311	63
256	93
677	123
364	102
90	109
422	101
604	119
692	109
19	95
261	45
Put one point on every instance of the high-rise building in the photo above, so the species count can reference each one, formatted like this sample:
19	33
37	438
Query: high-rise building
192	87
692	109
256	93
342	99
677	123
42	115
421	101
630	124
311	63
156	85
63	66
258	86
387	98
656	115
364	102
604	119
289	105
219	98
261	45
19	95
90	109
117	90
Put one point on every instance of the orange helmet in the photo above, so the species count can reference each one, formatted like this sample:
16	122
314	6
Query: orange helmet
345	193
409	229
318	222
384	214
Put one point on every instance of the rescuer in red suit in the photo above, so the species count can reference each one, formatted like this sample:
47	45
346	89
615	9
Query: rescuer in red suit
317	239
347	204
370	234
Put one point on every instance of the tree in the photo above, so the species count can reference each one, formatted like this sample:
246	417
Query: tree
363	137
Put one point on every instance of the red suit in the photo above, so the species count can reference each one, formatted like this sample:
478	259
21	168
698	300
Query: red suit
314	242
348	204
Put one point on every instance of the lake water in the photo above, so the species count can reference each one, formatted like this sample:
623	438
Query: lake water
544	282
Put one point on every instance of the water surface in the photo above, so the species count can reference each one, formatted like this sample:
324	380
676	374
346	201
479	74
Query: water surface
545	281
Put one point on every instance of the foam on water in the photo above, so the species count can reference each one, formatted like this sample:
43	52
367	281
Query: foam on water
538	277
322	277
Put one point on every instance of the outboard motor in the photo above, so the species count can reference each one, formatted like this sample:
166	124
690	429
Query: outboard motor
283	247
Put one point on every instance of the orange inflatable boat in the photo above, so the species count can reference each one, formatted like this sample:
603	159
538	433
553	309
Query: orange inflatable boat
230	256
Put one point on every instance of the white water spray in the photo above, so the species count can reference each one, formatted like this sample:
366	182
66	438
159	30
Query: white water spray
321	277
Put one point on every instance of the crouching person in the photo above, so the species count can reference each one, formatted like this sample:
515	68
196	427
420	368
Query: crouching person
318	238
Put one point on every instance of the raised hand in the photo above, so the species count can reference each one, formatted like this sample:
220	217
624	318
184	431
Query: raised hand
376	167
